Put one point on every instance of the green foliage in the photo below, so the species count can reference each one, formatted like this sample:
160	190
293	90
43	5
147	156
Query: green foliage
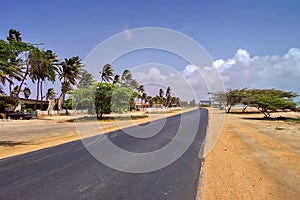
265	100
121	99
68	73
86	79
68	104
103	96
84	98
5	103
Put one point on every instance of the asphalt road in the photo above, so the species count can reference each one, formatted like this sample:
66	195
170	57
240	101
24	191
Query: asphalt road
69	171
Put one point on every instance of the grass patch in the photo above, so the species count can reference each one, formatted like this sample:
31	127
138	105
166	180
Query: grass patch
285	119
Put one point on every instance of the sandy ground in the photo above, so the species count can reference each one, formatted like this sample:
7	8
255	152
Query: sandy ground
22	136
254	159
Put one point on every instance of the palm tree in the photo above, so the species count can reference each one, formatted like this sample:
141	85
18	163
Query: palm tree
168	96
144	97
86	79
161	93
126	78
150	100
13	69
116	79
107	73
36	71
1	90
26	92
14	35
43	67
69	72
141	90
50	94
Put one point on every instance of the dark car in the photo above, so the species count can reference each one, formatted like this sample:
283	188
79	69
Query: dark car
20	115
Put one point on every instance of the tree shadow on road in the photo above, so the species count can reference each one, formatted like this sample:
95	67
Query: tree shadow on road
13	143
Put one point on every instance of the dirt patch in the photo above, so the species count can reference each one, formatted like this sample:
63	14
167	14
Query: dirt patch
254	159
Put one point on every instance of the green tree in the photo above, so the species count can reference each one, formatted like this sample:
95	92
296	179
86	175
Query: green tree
121	99
84	98
265	100
11	63
43	67
86	80
69	72
103	96
128	81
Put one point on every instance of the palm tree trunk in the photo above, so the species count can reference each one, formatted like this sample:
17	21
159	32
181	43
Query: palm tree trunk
41	91
10	86
21	84
37	94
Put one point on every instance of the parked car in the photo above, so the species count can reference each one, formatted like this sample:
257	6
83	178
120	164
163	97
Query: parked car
20	115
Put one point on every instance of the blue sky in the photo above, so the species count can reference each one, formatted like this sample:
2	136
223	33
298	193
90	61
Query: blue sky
260	27
220	26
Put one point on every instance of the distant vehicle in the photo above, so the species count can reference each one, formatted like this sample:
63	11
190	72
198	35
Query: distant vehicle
20	115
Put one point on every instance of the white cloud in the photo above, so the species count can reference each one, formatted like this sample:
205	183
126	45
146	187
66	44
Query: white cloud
274	71
153	74
242	56
189	70
242	70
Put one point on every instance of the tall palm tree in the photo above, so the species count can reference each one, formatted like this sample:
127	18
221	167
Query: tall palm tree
13	68
43	67
161	96
36	73
14	35
168	96
107	73
141	90
69	72
126	78
116	79
50	94
86	79
26	92
50	67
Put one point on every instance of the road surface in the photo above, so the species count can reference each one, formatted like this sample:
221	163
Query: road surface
69	171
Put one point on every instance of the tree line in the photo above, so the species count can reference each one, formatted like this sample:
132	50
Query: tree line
265	100
21	61
116	93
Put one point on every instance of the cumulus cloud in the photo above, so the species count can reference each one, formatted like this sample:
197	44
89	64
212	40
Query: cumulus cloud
242	70
273	71
189	70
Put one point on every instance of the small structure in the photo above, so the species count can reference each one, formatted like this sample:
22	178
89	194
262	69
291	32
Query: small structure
30	104
142	105
205	102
